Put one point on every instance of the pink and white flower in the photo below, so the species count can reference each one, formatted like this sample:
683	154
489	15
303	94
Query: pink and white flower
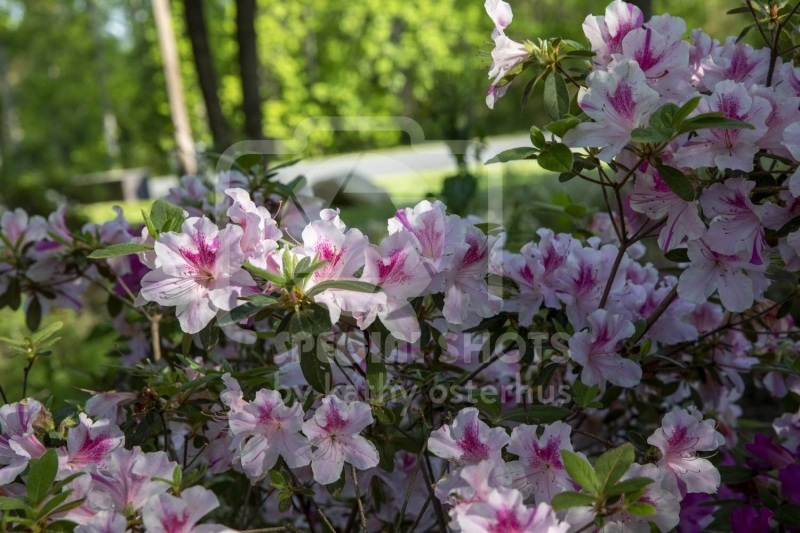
126	480
334	431
170	514
260	233
735	220
727	148
468	440
597	350
606	33
265	429
90	443
540	470
18	444
684	433
618	101
199	272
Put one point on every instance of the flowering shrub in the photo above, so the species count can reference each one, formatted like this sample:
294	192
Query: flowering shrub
283	373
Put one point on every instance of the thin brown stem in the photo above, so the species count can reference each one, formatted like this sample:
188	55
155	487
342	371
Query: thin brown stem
361	514
658	311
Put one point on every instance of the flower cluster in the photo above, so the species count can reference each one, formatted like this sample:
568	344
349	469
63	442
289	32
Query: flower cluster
280	370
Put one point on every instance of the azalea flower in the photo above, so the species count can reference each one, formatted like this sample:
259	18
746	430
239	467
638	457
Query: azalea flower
737	62
791	140
396	267
526	271
712	271
266	429
465	289
597	351
727	148
506	57
500	13
170	514
334	431
736	221
90	443
468	440
436	234
260	232
618	101
606	33
199	272
126	480
653	197
505	511
540	470
684	433
18	444
107	521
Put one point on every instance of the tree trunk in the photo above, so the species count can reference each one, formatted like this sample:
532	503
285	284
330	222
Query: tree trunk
206	73
172	73
646	6
248	66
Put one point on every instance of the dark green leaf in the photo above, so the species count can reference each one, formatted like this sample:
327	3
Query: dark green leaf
316	369
735	474
649	135
514	154
537	414
209	336
556	158
713	121
612	465
336	487
569	499
677	182
254	304
260	272
678	255
790	227
663	118
556	96
33	316
628	485
686	110
277	480
312	319
117	250
788	515
41	476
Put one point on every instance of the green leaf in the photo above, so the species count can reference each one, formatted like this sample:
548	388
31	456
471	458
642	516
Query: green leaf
336	487
735	474
376	373
345	285
612	465
678	255
260	272
248	161
41	476
649	135
628	485
560	128
277	480
686	110
33	316
788	515
556	96
581	53
209	336
254	304
151	228
47	332
663	118
117	250
12	504
556	158
677	182
306	267
537	137
161	212
529	87
537	414
569	499
641	509
580	470
790	227
713	121
514	154
312	319
53	502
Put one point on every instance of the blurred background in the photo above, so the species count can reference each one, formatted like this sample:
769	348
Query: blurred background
106	102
